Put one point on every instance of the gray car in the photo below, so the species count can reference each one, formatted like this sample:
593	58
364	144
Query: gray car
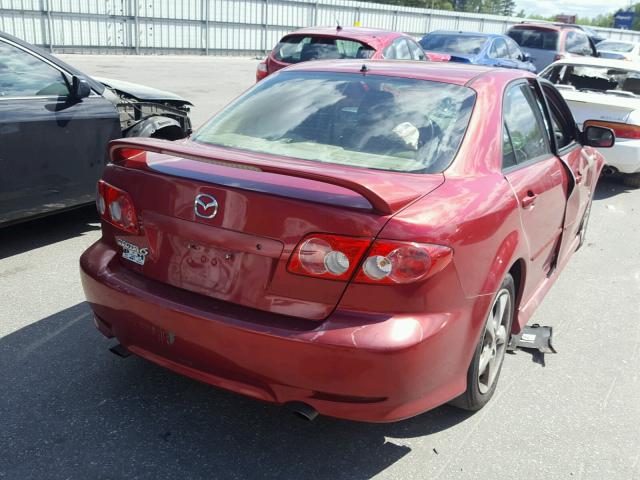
55	123
547	42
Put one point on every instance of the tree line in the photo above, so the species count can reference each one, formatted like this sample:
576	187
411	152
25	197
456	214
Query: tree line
508	8
495	7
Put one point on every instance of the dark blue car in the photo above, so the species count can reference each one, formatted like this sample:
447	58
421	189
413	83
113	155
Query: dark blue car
488	49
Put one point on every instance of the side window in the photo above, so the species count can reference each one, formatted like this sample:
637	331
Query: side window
578	43
514	51
561	119
499	49
525	124
416	52
25	75
508	157
402	49
389	53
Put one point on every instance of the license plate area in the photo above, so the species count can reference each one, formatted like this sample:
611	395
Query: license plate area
207	269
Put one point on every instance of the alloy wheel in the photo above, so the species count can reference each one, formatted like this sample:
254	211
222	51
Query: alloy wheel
494	342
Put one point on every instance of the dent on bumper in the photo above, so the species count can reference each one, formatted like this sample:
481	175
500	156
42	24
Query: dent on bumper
352	365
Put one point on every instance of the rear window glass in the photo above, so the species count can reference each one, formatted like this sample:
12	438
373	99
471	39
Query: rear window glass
534	38
615	46
454	44
368	121
614	81
301	48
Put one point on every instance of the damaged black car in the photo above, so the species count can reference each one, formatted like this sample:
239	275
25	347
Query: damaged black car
55	123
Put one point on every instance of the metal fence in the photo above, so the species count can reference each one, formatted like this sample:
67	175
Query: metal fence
217	27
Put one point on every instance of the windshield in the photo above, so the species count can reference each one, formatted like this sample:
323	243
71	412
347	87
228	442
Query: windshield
301	48
453	43
592	78
535	38
369	121
615	46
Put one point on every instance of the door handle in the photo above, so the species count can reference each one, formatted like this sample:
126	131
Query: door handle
529	200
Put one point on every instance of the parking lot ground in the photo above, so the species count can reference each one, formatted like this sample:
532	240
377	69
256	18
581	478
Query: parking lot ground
207	82
69	409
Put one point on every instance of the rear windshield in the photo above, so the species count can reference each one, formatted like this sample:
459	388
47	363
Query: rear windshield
615	46
535	38
301	48
616	81
368	121
452	43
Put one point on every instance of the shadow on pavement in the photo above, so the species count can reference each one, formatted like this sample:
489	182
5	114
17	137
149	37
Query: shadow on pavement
71	409
610	186
26	236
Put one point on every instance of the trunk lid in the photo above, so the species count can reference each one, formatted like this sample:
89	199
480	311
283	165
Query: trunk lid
265	206
599	106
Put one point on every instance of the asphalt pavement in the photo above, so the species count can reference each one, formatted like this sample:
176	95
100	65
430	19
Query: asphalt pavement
69	409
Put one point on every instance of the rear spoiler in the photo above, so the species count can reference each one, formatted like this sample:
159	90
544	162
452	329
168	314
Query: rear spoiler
384	195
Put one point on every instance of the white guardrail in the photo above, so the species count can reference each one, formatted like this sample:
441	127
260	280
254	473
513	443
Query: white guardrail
218	27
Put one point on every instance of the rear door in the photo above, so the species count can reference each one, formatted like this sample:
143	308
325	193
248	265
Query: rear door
537	176
53	147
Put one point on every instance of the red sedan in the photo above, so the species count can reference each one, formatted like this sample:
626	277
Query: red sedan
363	249
324	43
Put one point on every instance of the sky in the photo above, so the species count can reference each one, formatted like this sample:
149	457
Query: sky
582	8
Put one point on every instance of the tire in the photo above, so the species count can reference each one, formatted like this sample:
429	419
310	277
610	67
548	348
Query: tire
631	180
481	386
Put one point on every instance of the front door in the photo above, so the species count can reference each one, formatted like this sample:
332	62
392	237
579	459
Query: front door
52	147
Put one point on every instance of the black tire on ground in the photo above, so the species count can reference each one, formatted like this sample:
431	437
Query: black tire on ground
631	180
478	393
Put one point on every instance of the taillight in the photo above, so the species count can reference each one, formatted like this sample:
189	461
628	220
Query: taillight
262	71
622	130
327	256
116	207
391	262
129	157
388	261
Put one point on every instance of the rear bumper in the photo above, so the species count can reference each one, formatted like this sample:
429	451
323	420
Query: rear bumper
624	155
376	368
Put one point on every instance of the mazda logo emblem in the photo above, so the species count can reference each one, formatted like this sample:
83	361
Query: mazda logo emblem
205	206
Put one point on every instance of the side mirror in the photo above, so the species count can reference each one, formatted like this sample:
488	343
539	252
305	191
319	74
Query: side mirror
80	88
599	137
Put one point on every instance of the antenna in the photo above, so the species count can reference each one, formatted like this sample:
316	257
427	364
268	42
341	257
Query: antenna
338	27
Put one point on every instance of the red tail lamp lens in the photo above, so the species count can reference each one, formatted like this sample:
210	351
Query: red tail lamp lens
391	262
327	256
116	207
129	157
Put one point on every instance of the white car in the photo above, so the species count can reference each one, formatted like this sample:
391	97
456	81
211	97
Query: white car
619	50
607	93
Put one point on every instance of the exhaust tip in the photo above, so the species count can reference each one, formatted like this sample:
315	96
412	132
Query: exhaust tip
120	350
609	170
303	410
